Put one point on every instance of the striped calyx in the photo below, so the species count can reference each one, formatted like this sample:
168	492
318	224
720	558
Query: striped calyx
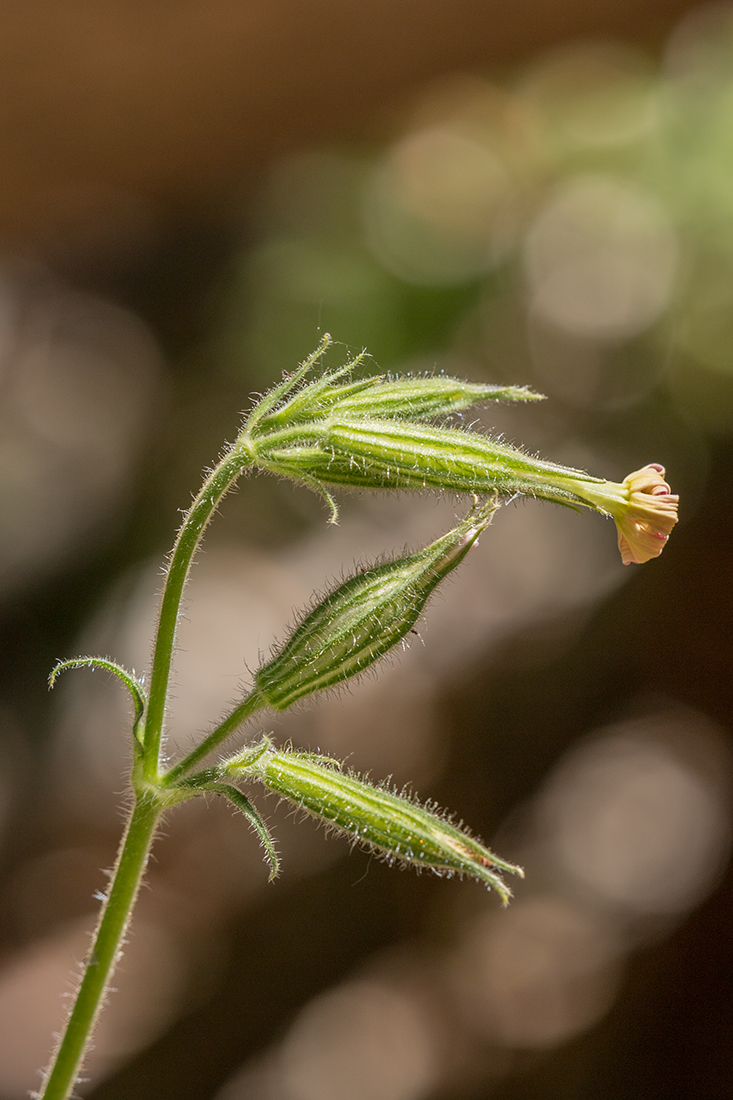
393	824
398	454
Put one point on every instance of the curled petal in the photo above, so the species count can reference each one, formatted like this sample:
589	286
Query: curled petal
645	525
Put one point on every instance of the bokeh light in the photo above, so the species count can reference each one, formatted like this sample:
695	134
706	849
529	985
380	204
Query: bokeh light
81	381
601	259
636	822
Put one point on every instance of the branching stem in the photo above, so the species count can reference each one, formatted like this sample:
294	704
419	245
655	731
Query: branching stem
151	797
227	726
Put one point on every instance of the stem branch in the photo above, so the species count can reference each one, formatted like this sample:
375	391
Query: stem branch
244	710
63	1071
189	537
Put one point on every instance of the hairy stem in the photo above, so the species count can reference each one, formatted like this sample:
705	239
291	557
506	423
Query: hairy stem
244	710
63	1071
189	537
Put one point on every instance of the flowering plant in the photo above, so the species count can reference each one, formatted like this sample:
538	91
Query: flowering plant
371	433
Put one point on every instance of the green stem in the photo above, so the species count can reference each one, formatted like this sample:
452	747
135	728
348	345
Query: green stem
66	1063
241	713
63	1071
189	537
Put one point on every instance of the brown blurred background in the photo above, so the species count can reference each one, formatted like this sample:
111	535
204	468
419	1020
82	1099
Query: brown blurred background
543	193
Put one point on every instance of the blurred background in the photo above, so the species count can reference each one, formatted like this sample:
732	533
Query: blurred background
539	193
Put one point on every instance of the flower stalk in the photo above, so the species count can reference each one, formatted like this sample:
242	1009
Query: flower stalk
67	1061
199	515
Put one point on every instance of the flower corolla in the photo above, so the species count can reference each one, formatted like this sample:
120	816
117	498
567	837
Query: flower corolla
645	525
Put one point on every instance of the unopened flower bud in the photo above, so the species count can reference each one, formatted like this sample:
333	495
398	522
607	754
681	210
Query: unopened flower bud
418	398
425	398
363	618
393	824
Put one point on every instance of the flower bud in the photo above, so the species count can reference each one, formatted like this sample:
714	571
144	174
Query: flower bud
424	398
420	398
382	820
363	618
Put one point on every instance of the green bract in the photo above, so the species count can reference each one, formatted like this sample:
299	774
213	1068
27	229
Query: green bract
363	618
393	824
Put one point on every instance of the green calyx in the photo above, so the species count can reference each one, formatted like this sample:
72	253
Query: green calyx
420	399
346	632
357	623
394	454
380	433
393	824
296	402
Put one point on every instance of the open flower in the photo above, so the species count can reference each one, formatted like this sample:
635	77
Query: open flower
642	506
644	527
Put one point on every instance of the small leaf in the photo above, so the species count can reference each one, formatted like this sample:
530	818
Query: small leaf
133	685
237	799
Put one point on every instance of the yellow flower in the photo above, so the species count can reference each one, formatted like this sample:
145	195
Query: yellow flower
645	524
